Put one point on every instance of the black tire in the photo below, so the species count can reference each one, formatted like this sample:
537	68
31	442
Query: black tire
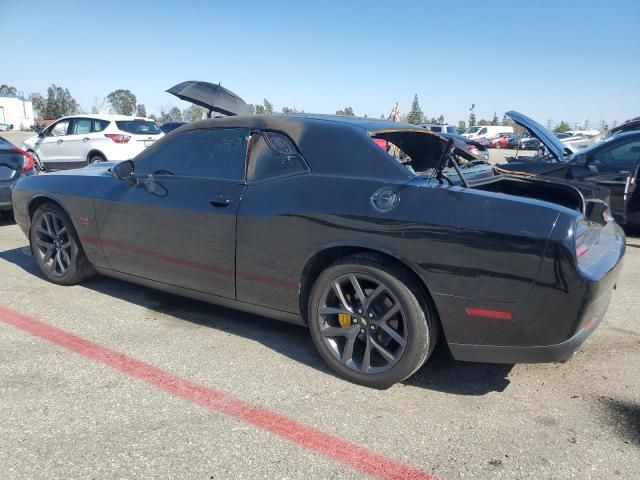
417	324
95	158
37	164
61	236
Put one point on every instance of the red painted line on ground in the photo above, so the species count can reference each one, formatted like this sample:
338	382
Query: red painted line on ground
342	451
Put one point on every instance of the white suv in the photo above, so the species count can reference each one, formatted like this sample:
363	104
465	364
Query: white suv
79	140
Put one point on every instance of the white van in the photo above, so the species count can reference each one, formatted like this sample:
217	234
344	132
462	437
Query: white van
487	131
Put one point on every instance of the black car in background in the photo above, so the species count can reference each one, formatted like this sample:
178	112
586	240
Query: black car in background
169	126
305	218
14	163
613	164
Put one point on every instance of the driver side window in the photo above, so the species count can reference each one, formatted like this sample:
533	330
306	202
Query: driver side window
217	153
59	129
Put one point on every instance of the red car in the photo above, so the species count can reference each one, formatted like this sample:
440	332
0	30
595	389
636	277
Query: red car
500	142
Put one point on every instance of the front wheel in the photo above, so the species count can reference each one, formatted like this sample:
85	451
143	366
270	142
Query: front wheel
56	247
370	322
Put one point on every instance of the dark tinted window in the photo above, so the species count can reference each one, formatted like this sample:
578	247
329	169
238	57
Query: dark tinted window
436	129
208	153
625	154
273	155
99	125
138	127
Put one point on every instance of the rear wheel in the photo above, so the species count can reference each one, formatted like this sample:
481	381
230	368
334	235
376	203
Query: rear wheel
56	247
369	321
95	158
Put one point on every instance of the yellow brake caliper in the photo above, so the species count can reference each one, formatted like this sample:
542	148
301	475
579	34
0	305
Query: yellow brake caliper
344	319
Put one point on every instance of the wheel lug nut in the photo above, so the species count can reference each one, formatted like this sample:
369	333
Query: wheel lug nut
362	330
355	320
359	310
370	314
373	327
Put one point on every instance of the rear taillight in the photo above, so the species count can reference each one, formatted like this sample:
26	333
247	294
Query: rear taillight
27	162
117	137
472	148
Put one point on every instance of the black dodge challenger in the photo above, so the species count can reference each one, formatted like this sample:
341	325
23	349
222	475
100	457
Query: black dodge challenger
307	219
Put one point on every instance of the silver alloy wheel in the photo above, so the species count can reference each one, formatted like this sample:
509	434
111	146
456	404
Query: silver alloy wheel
53	244
96	159
362	323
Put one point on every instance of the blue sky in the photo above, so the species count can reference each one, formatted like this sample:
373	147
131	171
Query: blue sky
556	60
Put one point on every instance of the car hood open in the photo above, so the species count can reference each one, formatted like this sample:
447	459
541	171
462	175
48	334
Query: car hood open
553	143
214	98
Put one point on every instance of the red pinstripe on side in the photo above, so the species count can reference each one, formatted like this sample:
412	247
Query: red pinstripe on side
342	451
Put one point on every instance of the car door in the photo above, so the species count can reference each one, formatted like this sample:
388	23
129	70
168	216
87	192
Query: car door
78	140
50	147
614	166
177	225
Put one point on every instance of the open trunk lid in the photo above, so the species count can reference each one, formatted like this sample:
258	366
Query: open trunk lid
214	98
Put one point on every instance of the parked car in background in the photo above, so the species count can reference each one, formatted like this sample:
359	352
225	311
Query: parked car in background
440	128
613	165
14	163
488	131
628	126
4	127
514	141
529	143
579	139
79	140
501	141
476	148
167	127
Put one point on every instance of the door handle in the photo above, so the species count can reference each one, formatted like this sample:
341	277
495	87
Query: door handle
220	202
85	139
59	141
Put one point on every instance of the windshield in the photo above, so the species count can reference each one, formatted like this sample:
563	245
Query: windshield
139	127
473	129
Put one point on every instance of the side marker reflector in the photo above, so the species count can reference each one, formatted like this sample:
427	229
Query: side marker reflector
482	312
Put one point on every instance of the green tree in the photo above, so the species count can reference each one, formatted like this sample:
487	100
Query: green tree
141	111
562	127
484	123
152	117
462	126
347	111
291	110
268	107
172	114
495	120
122	102
415	115
472	115
505	120
441	119
39	104
59	103
252	108
193	113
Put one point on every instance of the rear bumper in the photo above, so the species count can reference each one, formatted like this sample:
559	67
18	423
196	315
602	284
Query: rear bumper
537	354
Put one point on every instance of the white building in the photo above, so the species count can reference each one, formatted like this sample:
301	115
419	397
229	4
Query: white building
16	111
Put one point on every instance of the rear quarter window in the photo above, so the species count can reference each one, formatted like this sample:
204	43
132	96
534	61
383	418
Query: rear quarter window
100	125
138	127
273	155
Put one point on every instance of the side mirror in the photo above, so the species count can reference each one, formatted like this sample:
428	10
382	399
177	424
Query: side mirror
41	133
124	171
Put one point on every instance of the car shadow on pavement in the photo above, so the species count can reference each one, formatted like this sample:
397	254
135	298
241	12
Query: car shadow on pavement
441	373
6	220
